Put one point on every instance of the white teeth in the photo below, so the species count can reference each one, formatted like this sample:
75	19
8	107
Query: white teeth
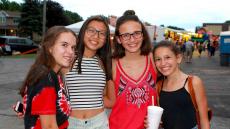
132	45
165	68
93	42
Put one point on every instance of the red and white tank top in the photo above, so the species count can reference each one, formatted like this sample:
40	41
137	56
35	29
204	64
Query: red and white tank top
132	97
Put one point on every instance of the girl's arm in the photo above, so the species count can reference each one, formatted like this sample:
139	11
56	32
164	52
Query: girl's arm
109	94
48	121
201	100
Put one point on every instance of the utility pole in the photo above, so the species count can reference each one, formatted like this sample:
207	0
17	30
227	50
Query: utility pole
44	19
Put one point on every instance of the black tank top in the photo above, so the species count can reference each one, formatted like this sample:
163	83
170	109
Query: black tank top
179	112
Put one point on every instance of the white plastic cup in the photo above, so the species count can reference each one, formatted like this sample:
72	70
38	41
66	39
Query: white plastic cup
154	116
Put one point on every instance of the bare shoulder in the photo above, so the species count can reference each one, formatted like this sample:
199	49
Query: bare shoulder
197	83
196	80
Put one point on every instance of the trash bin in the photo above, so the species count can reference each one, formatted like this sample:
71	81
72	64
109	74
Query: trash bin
224	60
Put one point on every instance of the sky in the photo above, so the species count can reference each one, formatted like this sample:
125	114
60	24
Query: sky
185	14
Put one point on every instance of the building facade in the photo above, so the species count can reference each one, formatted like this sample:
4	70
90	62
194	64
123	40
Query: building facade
216	28
9	22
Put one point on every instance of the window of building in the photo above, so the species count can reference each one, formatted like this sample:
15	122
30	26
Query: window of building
2	19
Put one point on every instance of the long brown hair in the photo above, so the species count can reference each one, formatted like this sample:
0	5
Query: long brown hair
44	61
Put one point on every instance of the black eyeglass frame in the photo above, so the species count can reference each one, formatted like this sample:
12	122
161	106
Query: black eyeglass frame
95	31
134	35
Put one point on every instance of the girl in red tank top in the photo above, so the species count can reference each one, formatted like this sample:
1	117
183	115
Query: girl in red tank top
134	74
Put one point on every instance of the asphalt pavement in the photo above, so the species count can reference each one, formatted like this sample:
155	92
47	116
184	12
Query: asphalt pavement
216	79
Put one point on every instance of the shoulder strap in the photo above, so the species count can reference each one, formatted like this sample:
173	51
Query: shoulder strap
191	91
192	94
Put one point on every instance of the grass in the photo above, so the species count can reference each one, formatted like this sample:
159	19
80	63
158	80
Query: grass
32	56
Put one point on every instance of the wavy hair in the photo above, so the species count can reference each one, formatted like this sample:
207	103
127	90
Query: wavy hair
44	61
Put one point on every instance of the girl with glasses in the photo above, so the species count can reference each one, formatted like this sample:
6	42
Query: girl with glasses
134	73
86	81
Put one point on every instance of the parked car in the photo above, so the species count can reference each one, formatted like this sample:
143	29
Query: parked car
9	44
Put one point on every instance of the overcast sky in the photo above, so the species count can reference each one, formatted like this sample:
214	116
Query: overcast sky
185	14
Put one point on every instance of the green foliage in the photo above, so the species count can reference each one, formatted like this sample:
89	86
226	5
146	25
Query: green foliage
73	17
32	13
29	56
31	18
228	21
55	15
10	6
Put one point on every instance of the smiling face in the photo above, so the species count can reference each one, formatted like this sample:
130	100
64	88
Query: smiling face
63	50
95	36
166	60
133	31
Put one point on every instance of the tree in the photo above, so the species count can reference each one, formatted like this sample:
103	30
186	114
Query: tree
176	28
147	24
55	15
31	18
4	5
11	6
73	17
228	21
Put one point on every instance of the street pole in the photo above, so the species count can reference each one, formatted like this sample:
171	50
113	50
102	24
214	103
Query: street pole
44	19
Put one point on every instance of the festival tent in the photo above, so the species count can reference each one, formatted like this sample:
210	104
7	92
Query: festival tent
77	26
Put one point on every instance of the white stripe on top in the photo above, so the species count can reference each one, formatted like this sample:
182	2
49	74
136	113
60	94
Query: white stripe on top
85	90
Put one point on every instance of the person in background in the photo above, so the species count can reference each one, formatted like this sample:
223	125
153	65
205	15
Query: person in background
45	101
91	73
134	73
213	47
174	98
189	48
199	48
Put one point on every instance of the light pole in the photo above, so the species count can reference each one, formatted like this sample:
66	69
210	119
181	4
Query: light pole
44	18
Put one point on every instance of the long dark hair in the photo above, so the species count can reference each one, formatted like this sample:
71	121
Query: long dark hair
119	50
44	61
104	53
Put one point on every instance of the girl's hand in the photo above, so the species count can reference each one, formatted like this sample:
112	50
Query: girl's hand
146	123
20	115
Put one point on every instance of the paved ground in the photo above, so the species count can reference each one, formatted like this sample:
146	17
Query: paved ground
215	77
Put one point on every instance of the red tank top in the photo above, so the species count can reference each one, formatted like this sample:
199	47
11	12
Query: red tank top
132	97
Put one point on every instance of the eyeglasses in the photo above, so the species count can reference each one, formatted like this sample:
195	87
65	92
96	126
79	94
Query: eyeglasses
92	31
127	36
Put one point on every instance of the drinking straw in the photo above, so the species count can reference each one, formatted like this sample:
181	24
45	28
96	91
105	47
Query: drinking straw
153	100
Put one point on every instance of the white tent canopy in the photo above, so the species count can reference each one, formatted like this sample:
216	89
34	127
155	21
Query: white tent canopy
77	26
